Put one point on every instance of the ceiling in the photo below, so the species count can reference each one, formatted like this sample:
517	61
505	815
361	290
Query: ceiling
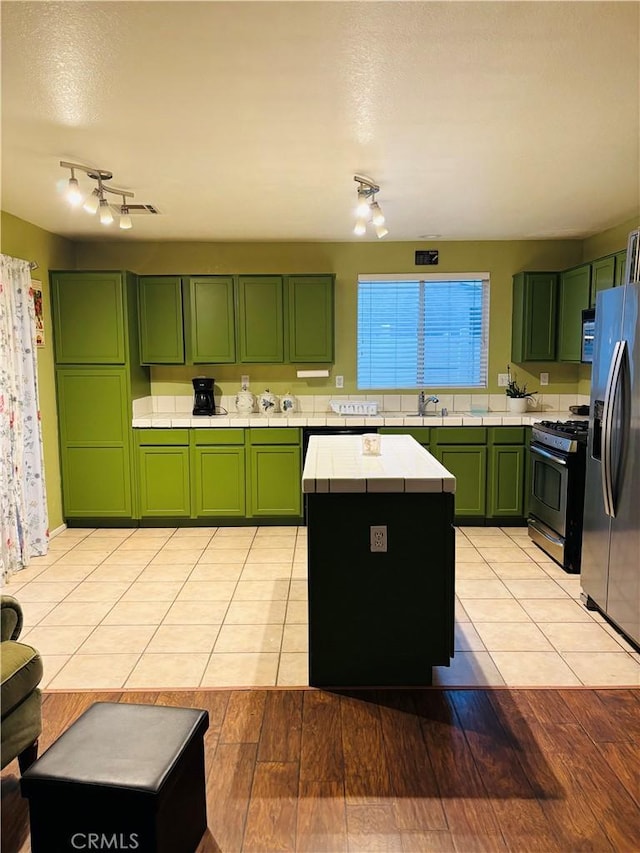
248	121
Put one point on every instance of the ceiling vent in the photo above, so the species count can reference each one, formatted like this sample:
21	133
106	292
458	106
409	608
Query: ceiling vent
136	209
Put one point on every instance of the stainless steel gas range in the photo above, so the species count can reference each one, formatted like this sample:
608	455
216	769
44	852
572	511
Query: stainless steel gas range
556	502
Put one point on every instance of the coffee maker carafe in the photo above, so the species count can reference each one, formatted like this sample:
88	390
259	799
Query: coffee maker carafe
203	401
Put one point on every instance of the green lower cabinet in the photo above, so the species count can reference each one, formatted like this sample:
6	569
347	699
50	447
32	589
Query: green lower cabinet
506	482
164	482
468	464
96	482
275	477
219	481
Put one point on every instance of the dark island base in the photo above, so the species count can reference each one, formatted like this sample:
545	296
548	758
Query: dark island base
380	619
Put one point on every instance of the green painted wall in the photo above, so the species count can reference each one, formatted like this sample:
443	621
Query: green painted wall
609	241
20	239
500	258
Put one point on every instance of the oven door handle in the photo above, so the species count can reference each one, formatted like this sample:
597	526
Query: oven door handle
532	523
548	455
613	383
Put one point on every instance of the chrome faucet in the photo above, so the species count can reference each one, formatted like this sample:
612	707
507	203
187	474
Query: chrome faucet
423	401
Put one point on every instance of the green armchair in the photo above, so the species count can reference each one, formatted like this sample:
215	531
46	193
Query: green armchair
20	697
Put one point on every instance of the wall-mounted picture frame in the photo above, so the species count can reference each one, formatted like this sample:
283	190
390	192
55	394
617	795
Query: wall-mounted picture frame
36	288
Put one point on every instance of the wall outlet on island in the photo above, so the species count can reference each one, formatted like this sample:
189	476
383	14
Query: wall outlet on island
339	381
378	538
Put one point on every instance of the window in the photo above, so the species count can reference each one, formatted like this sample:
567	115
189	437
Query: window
431	331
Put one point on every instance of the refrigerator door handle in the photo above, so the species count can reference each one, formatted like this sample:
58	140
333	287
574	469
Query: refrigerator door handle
613	383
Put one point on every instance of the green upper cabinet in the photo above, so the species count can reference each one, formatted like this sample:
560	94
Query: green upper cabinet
160	319
209	320
602	276
574	297
621	261
533	335
310	318
89	317
260	318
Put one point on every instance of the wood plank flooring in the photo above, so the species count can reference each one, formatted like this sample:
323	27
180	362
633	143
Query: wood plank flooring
544	770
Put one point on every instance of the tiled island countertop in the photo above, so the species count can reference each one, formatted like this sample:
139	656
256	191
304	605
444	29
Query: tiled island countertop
337	464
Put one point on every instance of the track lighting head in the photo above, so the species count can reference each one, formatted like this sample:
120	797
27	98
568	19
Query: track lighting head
368	208
125	217
92	203
74	196
96	200
106	217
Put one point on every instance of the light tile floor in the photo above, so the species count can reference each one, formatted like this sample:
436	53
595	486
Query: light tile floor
212	607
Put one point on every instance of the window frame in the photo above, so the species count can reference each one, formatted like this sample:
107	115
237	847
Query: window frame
426	278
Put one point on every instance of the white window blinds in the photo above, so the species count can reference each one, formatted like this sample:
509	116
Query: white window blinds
429	332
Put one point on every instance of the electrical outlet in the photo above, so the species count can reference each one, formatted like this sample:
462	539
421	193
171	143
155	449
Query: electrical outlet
244	380
339	381
544	378
503	380
379	538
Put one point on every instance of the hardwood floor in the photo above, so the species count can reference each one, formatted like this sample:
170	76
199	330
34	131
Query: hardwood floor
432	770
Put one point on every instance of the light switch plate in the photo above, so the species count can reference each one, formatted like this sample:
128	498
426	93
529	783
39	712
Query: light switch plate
503	380
544	378
339	381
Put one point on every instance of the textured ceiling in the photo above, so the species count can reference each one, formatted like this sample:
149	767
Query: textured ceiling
248	121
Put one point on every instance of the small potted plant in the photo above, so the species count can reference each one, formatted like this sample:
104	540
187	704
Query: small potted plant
517	395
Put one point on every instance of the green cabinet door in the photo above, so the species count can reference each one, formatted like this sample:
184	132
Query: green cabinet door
602	276
533	330
468	464
160	319
88	317
96	482
574	297
210	322
95	446
506	481
310	318
621	262
275	475
260	304
163	474
219	481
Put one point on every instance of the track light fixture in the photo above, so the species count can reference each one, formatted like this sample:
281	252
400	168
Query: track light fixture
368	209
96	202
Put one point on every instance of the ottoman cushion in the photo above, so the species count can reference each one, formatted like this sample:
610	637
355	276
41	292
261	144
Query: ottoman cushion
21	673
123	769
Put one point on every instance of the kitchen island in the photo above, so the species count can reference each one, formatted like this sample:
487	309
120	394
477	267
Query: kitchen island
381	554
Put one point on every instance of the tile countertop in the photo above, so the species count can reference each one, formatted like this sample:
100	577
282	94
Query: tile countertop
388	419
336	463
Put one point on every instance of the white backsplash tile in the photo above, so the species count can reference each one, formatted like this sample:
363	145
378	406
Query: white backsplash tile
183	403
497	402
305	402
479	402
445	401
376	398
409	403
462	402
392	403
321	403
567	400
550	402
164	404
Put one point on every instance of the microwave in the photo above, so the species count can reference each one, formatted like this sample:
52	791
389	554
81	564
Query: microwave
587	339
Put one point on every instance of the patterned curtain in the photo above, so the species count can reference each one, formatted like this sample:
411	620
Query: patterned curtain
23	502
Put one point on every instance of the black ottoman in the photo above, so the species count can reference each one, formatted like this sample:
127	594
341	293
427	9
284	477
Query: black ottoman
122	777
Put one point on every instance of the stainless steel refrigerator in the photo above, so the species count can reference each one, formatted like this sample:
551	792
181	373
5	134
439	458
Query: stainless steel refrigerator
610	571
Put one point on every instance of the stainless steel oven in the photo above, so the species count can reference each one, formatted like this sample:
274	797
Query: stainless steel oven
557	490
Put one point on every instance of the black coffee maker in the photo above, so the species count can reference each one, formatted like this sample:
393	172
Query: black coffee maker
203	401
